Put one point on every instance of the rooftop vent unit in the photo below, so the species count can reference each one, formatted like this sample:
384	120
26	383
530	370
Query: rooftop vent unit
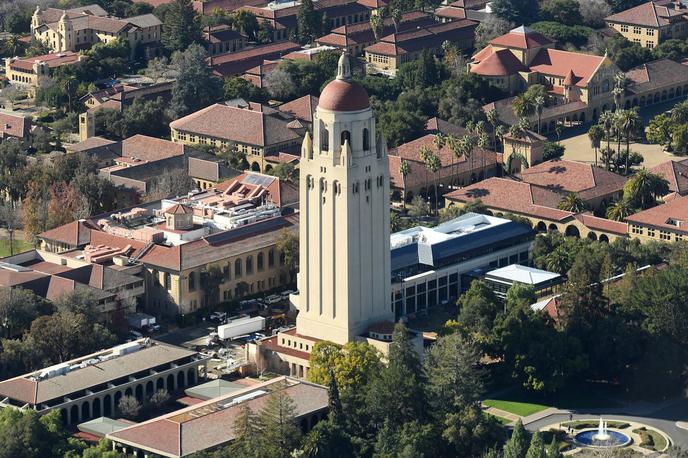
126	348
245	397
53	371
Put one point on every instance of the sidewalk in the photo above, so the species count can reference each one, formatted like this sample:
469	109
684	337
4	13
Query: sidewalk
502	413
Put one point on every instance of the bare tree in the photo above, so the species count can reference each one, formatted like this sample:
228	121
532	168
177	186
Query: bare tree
129	407
160	398
280	84
11	220
490	28
593	12
172	183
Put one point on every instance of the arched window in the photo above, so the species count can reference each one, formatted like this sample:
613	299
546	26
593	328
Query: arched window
366	140
324	139
271	257
168	281
237	268
259	261
249	265
346	136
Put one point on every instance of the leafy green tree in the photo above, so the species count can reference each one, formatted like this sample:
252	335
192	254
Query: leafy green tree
472	433
562	11
516	11
288	246
308	22
553	450
246	22
659	130
619	210
573	35
517	446
679	138
520	295
478	308
180	26
279	434
552	150
354	365
195	87
237	87
146	117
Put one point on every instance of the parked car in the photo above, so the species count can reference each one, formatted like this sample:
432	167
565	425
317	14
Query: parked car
285	294
217	317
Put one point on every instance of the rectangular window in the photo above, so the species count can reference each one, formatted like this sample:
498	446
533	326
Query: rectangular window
650	232
637	30
624	28
650	32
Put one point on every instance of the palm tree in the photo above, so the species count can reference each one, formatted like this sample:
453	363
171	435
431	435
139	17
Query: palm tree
424	155
645	188
629	121
595	134
523	107
493	119
607	123
467	144
619	210
539	103
396	18
483	143
452	142
558	129
572	203
404	169
377	24
433	164
619	89
558	260
13	45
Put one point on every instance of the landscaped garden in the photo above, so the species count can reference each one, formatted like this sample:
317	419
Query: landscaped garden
520	408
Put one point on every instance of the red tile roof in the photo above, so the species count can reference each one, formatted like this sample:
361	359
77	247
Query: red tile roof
450	12
671	216
254	125
564	176
344	95
75	234
14	126
602	224
301	108
150	148
676	173
53	60
499	63
513	196
236	63
522	38
559	63
650	14
423	37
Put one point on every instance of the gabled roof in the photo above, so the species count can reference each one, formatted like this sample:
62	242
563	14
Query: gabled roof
672	215
150	149
14	126
522	38
423	37
253	125
676	173
179	209
564	176
499	63
76	233
559	63
513	196
655	75
650	14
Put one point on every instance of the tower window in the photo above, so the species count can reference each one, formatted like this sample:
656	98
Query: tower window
346	136
366	140
324	140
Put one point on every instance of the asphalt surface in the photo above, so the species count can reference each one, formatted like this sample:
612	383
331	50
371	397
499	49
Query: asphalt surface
663	418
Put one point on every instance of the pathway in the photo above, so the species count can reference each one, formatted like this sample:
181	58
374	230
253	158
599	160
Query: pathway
502	413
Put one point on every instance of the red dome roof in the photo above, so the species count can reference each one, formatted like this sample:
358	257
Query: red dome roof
344	95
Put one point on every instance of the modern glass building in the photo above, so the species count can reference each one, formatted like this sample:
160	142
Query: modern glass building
428	263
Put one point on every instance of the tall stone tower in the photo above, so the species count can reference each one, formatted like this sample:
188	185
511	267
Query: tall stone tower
66	30
344	277
87	126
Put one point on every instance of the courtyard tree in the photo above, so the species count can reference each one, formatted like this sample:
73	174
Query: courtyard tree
288	246
596	134
644	188
180	26
129	407
195	87
279	434
572	202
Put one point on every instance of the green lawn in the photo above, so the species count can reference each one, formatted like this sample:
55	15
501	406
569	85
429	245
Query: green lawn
516	407
652	440
19	247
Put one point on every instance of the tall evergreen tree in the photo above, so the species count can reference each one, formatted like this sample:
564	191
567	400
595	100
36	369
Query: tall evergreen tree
308	22
180	27
553	450
517	446
537	447
195	87
245	430
278	432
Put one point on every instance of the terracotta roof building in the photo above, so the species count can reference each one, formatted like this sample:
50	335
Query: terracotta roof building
651	23
236	63
594	185
579	84
655	82
121	96
666	222
222	38
301	108
386	55
210	424
258	130
460	172
80	28
14	126
234	227
31	70
537	204
355	38
91	386
676	174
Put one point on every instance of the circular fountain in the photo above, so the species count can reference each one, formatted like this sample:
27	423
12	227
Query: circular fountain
602	437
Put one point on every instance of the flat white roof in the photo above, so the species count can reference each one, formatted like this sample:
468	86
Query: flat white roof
522	274
457	227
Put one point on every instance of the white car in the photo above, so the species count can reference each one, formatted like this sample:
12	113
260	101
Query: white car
273	299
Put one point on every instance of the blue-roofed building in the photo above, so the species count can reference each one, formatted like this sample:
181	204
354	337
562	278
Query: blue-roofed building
428	263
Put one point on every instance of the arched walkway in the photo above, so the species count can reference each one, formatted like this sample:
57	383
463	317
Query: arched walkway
74	414
541	227
572	231
96	408
255	167
160	384
107	406
604	238
139	393
180	380
170	383
191	376
553	228
592	236
150	388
